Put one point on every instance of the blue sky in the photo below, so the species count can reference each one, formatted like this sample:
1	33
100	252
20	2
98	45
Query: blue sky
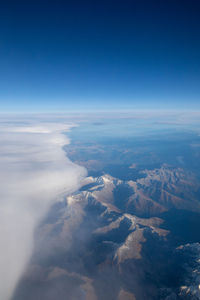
58	56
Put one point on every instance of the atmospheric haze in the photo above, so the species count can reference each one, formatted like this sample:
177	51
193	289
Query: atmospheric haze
34	174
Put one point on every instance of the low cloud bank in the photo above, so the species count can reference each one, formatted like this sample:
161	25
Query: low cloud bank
34	174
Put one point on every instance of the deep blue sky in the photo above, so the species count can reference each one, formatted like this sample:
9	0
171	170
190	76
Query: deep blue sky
60	55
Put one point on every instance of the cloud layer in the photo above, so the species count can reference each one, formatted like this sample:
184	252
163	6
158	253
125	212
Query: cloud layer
34	173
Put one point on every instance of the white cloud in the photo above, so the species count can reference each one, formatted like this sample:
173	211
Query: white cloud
34	173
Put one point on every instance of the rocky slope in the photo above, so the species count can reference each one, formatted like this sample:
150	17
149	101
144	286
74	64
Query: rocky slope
98	243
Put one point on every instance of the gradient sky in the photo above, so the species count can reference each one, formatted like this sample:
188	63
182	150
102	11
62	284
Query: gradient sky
60	55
